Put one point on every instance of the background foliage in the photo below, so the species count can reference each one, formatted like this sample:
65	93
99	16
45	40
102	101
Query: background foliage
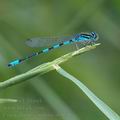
52	96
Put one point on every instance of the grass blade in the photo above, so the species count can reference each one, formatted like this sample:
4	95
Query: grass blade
99	103
44	68
3	100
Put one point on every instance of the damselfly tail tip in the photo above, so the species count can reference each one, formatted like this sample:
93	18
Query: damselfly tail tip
14	63
9	65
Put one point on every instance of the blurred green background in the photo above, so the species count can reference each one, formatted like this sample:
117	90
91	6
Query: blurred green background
52	97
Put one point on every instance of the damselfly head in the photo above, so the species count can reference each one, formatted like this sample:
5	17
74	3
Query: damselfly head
94	36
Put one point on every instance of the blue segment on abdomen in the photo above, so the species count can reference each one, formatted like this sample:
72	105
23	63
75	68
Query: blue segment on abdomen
66	42
46	50
13	63
56	46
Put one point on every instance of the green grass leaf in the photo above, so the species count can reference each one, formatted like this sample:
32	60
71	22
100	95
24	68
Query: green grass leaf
99	103
3	100
44	68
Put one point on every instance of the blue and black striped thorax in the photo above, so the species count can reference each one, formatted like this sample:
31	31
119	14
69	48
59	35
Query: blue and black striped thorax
91	37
